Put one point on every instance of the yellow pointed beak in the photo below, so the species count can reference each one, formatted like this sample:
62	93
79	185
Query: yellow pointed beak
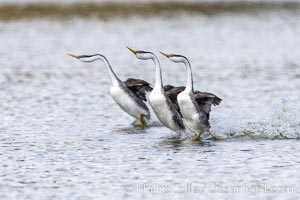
133	51
74	56
167	55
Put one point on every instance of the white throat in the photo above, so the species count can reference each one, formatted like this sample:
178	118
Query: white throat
158	80
189	83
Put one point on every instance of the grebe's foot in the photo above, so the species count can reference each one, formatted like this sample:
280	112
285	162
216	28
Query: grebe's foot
197	138
213	136
140	122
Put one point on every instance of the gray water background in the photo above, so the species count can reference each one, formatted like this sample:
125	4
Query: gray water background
63	137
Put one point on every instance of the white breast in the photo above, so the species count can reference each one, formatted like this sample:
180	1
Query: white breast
186	105
126	102
189	112
162	110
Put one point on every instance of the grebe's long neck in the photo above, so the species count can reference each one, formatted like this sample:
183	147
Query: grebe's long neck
113	77
158	80
189	83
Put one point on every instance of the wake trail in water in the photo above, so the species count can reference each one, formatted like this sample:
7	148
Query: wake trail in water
279	120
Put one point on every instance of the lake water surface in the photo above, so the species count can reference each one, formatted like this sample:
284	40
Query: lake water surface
63	137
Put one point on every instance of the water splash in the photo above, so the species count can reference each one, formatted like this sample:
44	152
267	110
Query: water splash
277	121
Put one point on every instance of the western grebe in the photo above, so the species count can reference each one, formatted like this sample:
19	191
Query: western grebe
163	100
195	106
130	95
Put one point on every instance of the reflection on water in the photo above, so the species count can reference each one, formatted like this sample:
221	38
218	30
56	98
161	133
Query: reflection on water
63	137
